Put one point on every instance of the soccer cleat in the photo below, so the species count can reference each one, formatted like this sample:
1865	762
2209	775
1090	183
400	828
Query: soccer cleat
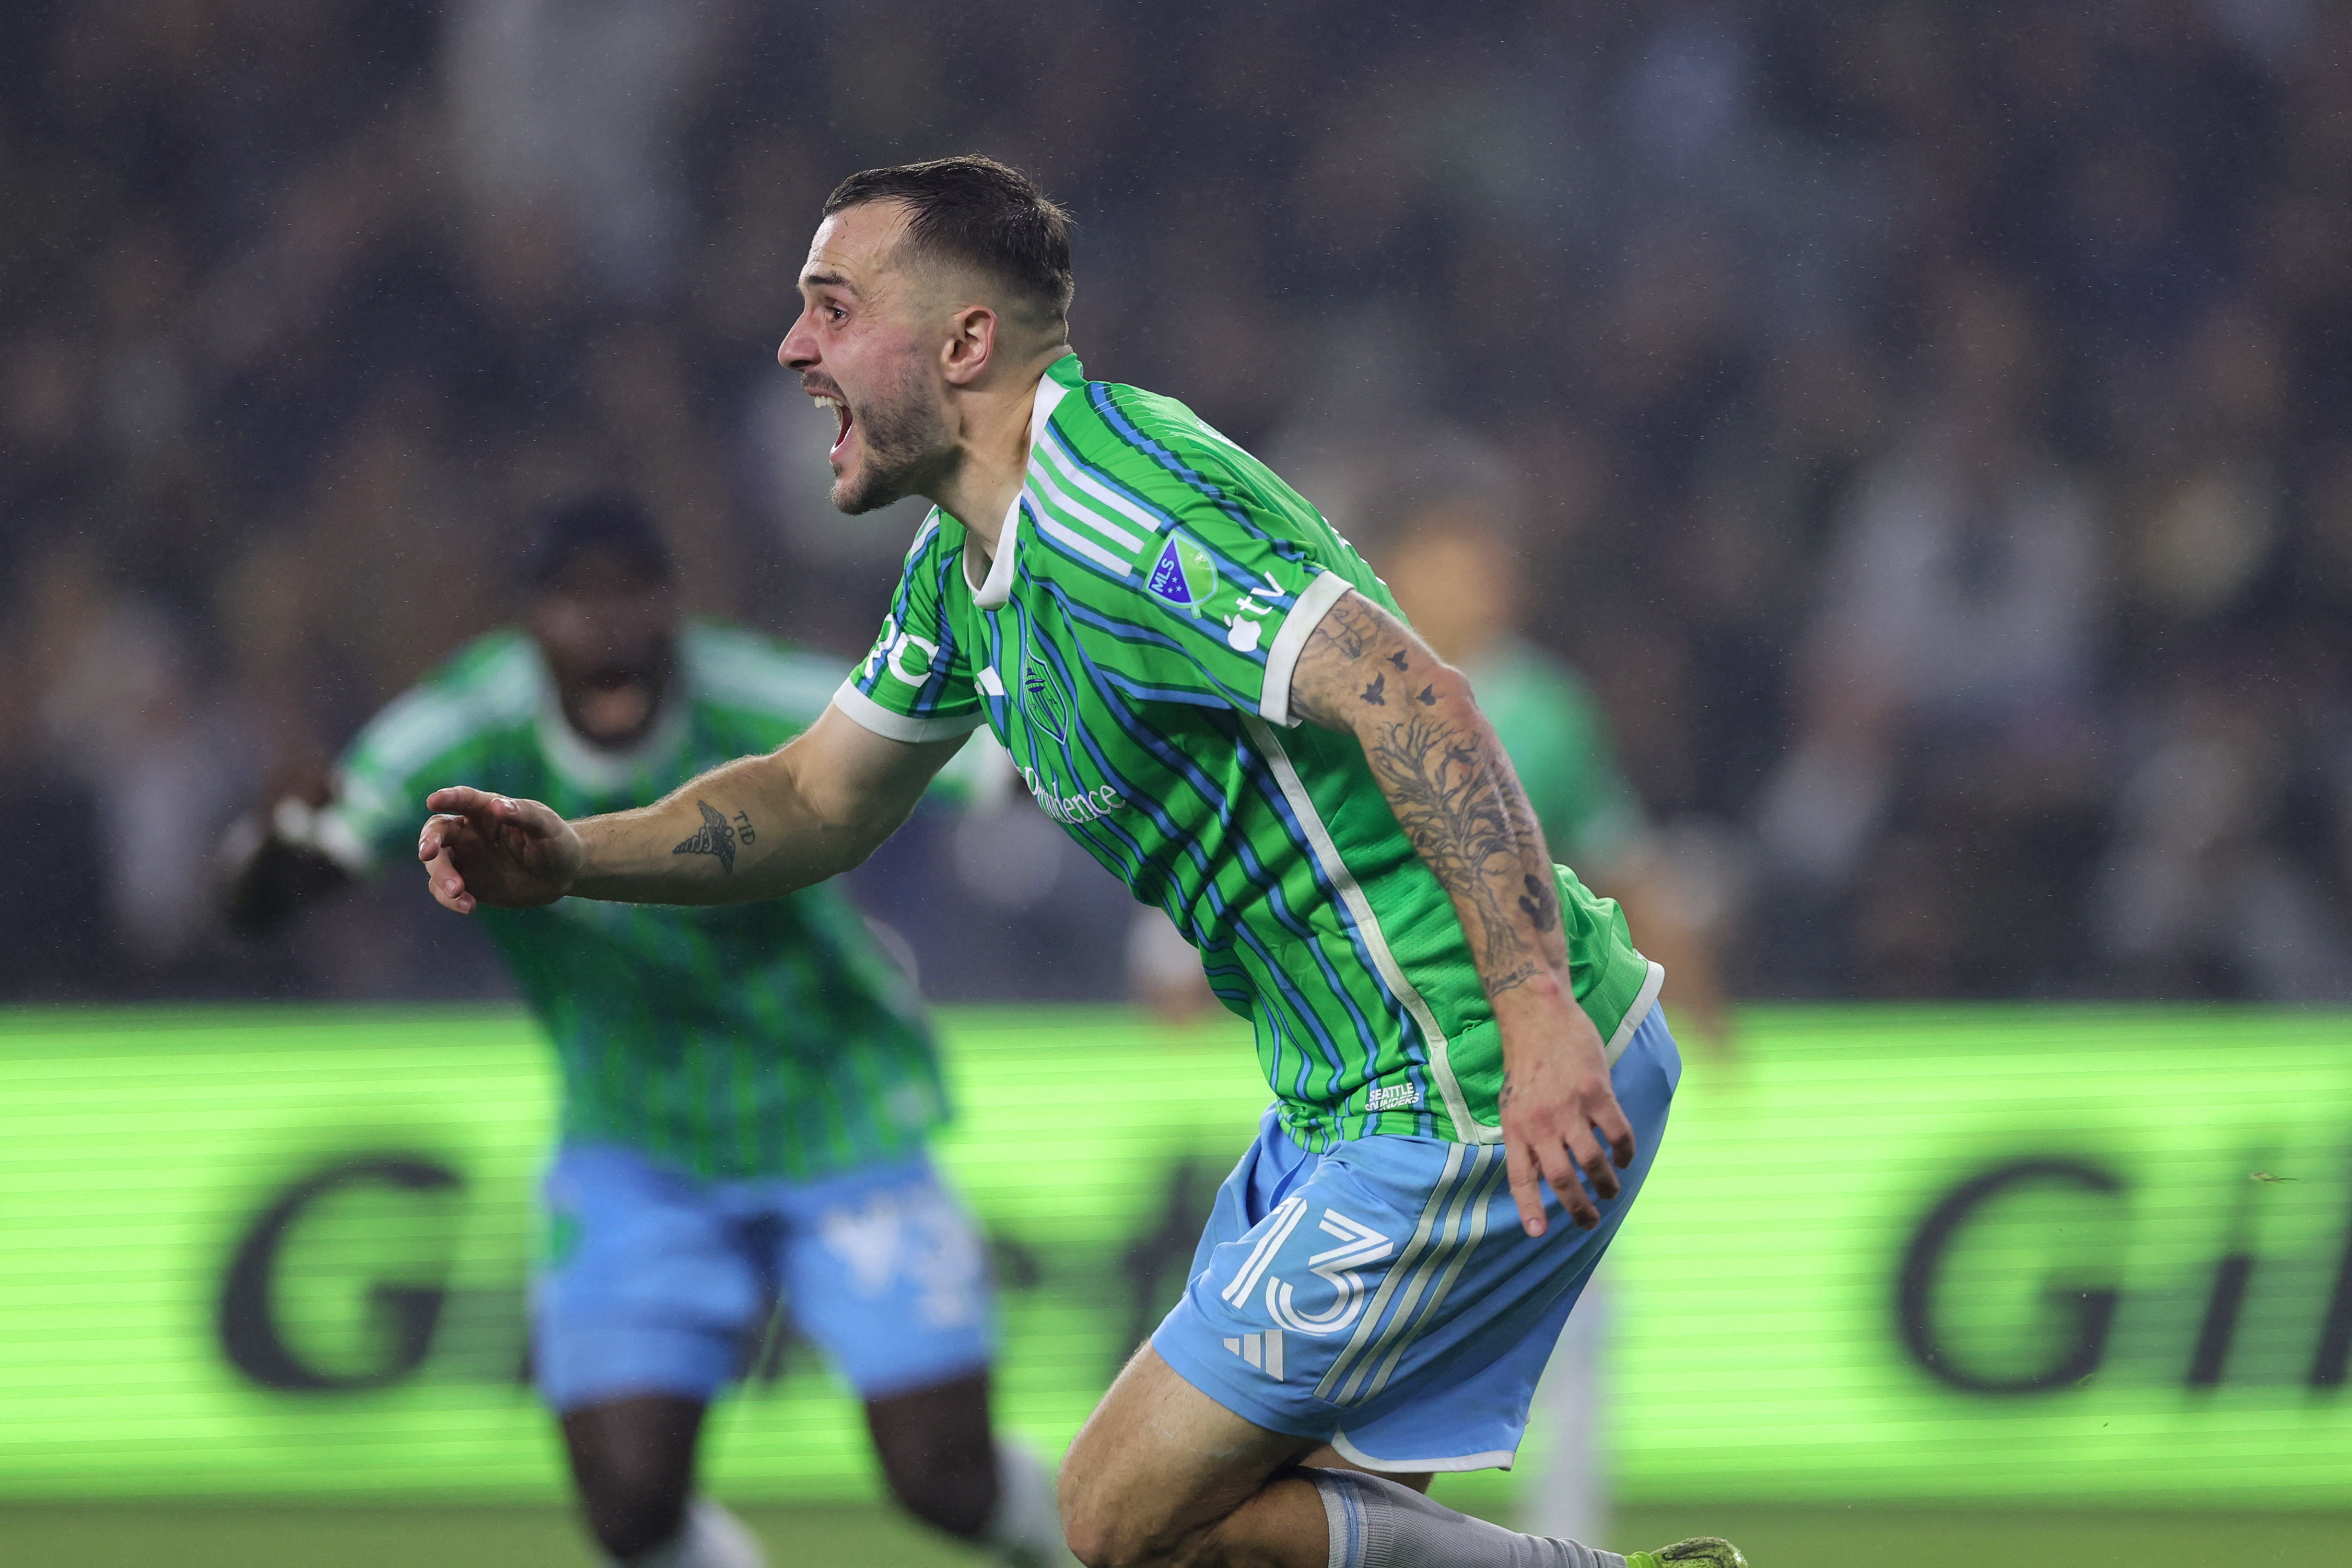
1699	1552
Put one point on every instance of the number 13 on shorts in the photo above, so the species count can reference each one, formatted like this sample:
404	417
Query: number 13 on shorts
1360	1247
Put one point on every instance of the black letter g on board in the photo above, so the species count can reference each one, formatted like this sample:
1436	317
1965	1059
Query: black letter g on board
250	1334
2089	1313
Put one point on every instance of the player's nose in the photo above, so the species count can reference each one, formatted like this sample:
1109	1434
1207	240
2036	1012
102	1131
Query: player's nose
798	351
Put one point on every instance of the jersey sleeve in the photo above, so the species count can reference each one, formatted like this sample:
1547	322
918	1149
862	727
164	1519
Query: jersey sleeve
1217	609
414	746
442	732
917	684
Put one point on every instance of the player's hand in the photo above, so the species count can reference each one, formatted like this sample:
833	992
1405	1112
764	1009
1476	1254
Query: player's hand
481	849
1560	1116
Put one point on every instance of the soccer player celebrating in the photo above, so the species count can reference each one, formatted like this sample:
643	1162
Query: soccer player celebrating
746	1092
1207	688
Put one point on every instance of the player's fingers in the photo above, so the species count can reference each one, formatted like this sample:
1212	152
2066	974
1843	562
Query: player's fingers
1596	1162
448	887
459	798
1593	1161
1613	1126
1559	1167
1527	1190
436	837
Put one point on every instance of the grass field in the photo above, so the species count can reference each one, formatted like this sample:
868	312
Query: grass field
135	1535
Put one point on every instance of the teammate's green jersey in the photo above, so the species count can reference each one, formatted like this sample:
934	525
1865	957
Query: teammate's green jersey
1132	644
1558	742
761	1038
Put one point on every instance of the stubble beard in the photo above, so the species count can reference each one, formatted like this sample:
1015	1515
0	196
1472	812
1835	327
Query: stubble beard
907	447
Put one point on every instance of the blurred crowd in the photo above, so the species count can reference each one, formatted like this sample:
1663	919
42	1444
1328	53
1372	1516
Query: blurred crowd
1923	424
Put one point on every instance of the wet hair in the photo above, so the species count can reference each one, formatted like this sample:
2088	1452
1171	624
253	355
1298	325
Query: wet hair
611	523
983	214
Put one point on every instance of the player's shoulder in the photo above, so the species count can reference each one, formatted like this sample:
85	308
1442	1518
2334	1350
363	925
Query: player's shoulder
932	557
1147	466
931	538
1541	677
734	667
1155	444
499	664
1541	697
493	683
1537	667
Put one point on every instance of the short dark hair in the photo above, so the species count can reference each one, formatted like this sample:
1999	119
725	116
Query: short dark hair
982	213
612	522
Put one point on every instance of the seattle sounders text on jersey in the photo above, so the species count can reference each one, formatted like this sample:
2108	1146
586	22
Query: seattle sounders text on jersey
771	1038
1133	645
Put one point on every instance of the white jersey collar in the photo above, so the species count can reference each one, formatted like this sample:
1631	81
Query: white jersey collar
993	591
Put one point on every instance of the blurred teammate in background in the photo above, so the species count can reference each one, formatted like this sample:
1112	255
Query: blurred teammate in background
746	1092
1455	576
1213	695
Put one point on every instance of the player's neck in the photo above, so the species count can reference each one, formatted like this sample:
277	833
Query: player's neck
993	452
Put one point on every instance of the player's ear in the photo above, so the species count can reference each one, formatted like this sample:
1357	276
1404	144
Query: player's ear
971	344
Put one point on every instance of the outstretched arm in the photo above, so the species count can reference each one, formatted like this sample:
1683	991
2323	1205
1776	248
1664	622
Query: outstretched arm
276	859
272	875
755	828
1363	672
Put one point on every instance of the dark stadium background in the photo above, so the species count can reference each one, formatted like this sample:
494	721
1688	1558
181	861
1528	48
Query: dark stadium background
303	303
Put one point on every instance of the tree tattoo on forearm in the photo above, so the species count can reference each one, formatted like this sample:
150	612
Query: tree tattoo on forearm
1453	804
715	837
1456	801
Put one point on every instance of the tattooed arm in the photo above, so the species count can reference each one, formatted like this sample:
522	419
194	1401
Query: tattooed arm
755	828
1363	672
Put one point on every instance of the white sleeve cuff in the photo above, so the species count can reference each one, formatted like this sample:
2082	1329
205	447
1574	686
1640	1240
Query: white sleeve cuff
325	830
891	726
1290	641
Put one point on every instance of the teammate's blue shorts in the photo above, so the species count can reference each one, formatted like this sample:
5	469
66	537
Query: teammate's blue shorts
1381	1297
660	1281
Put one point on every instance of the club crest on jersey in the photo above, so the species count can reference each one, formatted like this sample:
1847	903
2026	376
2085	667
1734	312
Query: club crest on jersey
1042	699
1184	576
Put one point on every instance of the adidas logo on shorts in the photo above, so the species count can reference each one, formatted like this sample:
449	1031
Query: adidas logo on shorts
1263	1352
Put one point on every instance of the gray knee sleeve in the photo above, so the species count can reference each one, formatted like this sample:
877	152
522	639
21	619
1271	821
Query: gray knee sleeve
1376	1523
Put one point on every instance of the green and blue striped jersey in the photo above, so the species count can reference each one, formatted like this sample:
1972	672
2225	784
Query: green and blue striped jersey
751	1039
1132	644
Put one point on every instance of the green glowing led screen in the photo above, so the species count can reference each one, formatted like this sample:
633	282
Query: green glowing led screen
2065	1253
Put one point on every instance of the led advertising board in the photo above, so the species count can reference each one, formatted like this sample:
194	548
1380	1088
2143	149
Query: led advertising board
2071	1254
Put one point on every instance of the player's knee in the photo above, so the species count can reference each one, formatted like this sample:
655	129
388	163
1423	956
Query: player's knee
629	1514
1110	1537
1081	1527
1094	1542
1101	1533
957	1497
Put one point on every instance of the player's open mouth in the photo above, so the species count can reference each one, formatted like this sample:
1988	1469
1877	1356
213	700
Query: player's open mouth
840	411
614	705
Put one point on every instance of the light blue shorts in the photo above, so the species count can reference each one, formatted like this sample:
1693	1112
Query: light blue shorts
1381	1297
660	1281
